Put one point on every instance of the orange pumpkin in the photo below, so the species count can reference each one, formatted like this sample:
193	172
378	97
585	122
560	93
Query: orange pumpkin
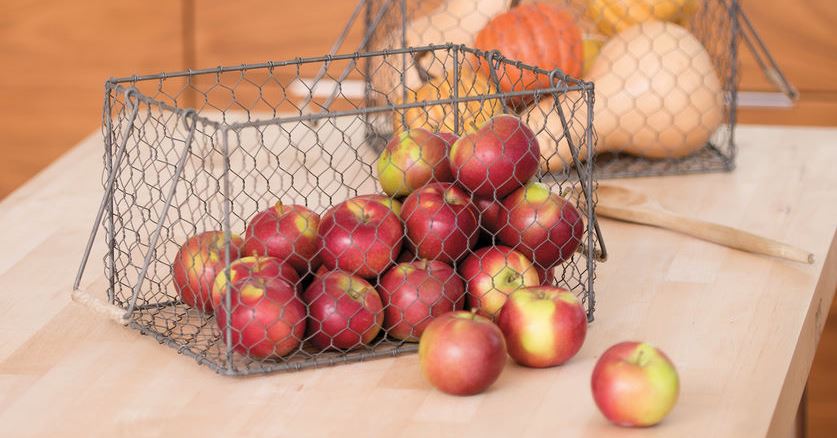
539	34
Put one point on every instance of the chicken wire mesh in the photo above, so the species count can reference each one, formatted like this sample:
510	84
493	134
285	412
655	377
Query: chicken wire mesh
665	71
245	222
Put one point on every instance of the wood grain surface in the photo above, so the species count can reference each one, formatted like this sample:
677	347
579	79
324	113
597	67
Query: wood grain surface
741	328
56	55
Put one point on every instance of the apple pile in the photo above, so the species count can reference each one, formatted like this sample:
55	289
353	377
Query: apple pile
461	225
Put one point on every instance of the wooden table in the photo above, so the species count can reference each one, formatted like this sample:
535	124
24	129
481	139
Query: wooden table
741	328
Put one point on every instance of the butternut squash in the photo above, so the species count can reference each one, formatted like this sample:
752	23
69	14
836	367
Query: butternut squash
657	96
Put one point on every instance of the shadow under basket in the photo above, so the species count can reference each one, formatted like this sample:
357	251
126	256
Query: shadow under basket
204	151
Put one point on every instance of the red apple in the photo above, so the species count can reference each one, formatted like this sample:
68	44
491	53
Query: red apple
635	384
496	159
541	225
489	211
442	223
251	267
543	326
360	236
389	202
287	232
415	293
411	160
267	318
492	273
462	353
345	311
198	262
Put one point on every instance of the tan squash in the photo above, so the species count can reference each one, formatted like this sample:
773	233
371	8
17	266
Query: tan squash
441	117
453	21
657	96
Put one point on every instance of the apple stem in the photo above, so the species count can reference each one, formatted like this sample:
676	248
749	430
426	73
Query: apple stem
473	124
473	313
258	262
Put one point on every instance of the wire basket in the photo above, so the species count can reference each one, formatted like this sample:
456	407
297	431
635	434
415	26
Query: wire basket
666	72
196	161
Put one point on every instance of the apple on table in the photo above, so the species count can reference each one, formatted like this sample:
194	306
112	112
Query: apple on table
462	353
635	384
543	326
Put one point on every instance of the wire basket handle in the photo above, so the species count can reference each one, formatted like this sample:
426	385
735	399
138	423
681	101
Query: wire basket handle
84	297
762	54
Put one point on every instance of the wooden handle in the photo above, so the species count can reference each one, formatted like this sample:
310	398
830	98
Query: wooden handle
117	314
720	234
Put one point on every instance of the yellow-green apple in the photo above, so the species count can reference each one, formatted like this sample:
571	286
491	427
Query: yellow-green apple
251	267
496	159
417	292
360	236
494	272
544	326
462	353
540	224
635	384
198	262
287	232
442	223
389	202
266	317
411	160
345	311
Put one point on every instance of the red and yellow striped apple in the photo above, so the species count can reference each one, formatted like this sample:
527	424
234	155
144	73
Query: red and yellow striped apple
496	159
540	224
412	159
345	311
417	292
198	262
462	353
287	232
635	384
442	223
360	236
267	318
252	267
494	272
543	326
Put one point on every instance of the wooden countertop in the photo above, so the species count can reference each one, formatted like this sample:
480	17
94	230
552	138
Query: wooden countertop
742	329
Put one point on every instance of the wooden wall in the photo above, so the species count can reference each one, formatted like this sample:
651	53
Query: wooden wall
55	56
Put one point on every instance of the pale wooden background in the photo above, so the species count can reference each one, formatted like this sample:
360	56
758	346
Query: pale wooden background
55	56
